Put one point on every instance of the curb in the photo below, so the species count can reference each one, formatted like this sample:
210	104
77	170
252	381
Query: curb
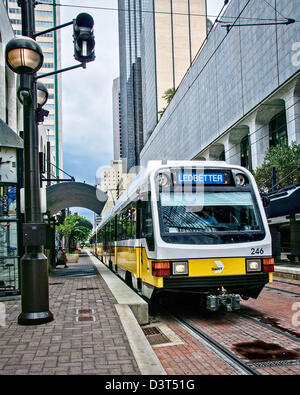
133	312
147	360
122	293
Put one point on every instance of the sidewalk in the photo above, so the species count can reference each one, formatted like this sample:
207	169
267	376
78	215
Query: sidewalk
89	335
96	332
287	269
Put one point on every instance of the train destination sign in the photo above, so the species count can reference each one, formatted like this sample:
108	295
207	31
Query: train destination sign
201	178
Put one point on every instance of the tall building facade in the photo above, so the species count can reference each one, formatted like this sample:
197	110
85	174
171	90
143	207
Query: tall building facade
117	134
173	32
46	16
131	17
114	181
158	40
240	97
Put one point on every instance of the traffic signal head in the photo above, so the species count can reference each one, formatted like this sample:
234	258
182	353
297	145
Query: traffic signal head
84	40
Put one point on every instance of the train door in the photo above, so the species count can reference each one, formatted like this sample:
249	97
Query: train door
147	237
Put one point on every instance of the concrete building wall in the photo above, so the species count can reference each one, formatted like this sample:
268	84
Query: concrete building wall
237	83
173	32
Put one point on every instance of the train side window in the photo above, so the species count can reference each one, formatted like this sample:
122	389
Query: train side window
128	223
120	227
147	223
133	222
105	235
112	229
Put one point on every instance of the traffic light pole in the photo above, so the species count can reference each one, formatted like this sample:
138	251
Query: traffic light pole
83	65
34	266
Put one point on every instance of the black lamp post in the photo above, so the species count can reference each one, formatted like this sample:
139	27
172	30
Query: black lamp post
25	57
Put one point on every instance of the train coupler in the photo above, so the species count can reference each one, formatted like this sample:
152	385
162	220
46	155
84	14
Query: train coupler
231	302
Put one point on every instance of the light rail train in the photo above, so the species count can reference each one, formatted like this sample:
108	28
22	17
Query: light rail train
190	226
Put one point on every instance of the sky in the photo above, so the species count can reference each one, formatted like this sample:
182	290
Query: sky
87	93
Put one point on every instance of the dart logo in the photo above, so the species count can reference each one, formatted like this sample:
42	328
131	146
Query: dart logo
219	268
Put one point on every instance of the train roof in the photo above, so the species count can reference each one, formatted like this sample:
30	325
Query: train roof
152	166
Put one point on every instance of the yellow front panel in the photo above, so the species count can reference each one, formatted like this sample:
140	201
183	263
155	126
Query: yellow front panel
217	267
146	272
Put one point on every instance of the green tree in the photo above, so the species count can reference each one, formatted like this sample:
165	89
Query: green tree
75	228
168	96
80	234
286	160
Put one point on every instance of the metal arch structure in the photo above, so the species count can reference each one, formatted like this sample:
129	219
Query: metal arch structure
74	194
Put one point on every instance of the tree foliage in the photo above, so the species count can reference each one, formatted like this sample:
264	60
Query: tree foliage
286	160
76	228
168	96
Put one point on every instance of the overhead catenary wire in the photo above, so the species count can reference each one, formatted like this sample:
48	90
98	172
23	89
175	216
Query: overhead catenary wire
258	130
284	20
275	9
276	21
101	8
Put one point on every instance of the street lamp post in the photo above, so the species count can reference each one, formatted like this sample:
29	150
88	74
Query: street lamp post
24	56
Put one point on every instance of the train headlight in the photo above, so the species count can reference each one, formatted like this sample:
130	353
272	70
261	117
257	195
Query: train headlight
180	268
240	179
162	179
253	265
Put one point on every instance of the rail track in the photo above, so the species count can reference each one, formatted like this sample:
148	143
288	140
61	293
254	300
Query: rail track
233	360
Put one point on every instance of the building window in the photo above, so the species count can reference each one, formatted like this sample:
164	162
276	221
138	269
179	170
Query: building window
278	130
245	152
222	155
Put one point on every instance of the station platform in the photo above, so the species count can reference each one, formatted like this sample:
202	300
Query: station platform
100	328
95	330
287	269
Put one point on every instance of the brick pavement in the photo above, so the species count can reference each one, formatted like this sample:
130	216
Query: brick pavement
192	357
71	344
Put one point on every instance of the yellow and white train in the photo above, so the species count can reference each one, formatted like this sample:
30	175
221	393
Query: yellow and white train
189	226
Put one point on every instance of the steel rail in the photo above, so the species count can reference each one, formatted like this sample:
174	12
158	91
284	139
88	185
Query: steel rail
233	360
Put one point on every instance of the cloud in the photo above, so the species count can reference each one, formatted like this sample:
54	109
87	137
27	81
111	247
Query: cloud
87	93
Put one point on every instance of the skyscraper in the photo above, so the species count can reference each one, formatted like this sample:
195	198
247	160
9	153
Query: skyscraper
117	143
130	25
158	40
46	16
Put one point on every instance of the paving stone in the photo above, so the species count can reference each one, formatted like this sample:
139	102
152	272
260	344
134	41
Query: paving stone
66	346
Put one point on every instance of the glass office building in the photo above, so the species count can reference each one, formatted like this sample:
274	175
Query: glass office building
46	16
130	26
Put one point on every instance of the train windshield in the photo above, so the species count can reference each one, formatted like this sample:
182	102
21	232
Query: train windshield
208	211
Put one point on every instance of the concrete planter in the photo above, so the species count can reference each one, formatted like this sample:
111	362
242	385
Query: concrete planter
72	258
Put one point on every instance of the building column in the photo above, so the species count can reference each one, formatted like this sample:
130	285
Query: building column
254	139
292	105
295	237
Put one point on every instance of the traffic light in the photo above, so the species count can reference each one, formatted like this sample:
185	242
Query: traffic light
84	39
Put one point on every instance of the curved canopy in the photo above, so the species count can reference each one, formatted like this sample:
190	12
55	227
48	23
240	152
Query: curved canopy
284	202
75	194
8	138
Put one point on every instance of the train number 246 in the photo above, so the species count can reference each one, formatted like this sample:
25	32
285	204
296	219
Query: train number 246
257	251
